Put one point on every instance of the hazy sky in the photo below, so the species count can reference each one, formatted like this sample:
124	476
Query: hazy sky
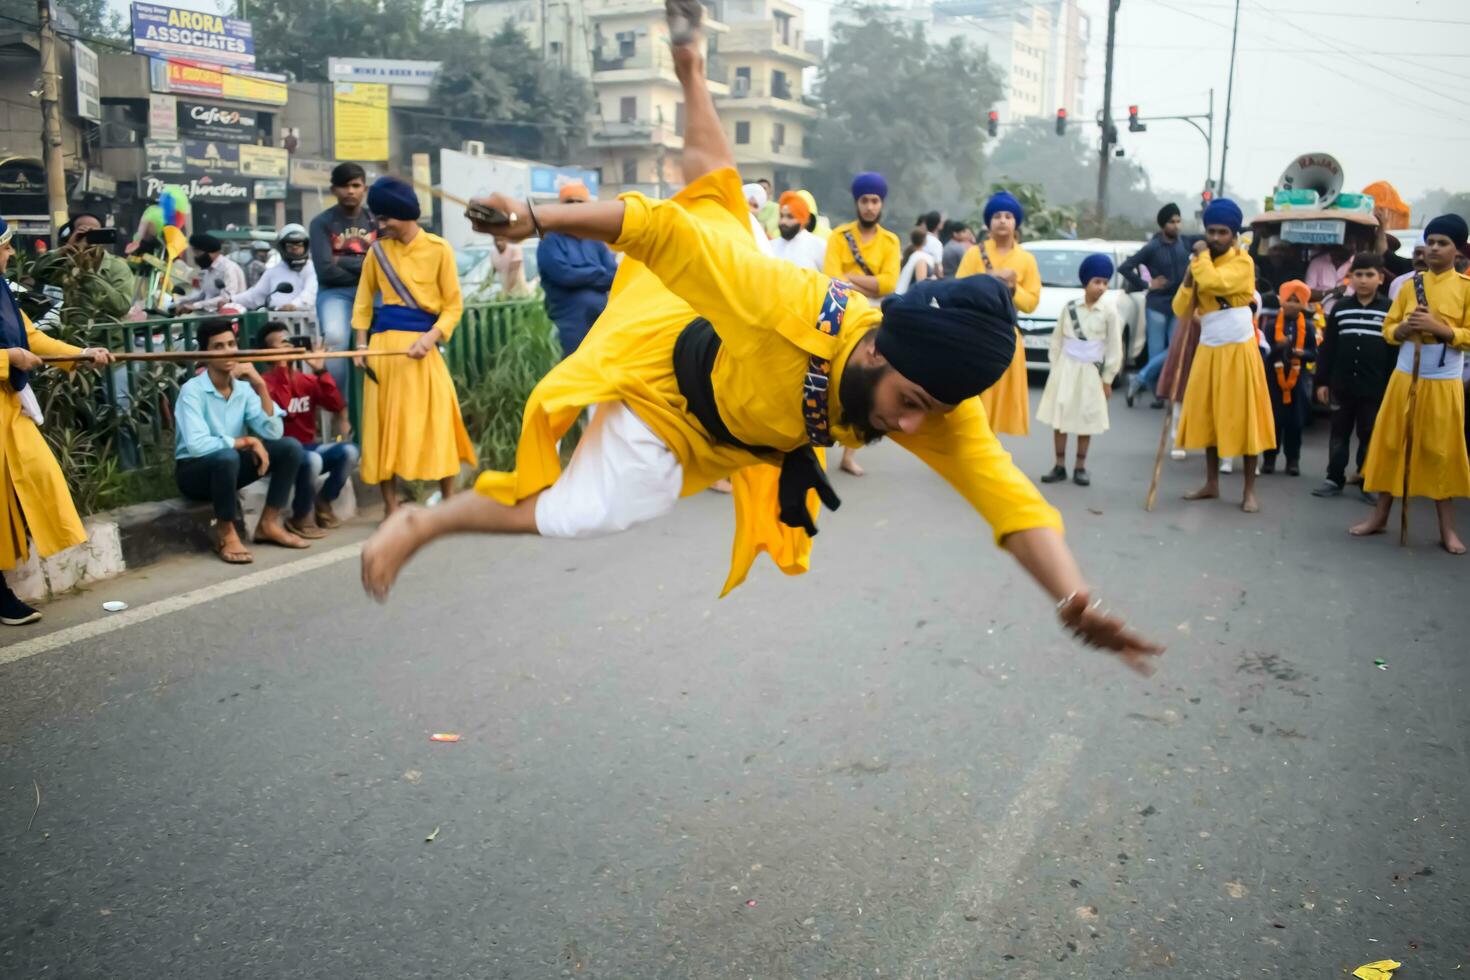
1382	92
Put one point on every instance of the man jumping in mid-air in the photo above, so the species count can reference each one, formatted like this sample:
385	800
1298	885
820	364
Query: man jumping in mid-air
713	360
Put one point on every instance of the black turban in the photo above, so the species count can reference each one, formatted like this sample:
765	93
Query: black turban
1167	213
205	242
1451	226
952	337
390	197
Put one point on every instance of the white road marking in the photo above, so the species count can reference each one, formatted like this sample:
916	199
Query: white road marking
953	941
173	604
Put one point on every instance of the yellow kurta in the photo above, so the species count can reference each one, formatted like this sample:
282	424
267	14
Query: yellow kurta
1227	405
411	426
1007	402
694	255
1440	468
34	488
883	254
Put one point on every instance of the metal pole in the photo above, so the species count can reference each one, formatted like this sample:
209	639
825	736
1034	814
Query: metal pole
51	122
1107	120
1210	140
1229	95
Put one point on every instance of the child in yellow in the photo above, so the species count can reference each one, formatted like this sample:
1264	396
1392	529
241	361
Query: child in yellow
1439	326
411	426
1227	406
714	360
1007	403
33	493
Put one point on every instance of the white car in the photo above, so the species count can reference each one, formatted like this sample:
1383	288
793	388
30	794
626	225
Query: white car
1058	262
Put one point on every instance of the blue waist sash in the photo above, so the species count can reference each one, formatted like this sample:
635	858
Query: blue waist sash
388	317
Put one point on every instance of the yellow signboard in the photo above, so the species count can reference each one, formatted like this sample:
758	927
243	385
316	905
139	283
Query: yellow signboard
247	88
360	120
271	162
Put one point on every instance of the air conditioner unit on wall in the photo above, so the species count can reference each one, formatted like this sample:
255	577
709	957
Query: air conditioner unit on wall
474	148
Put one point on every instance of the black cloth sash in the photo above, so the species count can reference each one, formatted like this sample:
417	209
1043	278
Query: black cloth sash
694	364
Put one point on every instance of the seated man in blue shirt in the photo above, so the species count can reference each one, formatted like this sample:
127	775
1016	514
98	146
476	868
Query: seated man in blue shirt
214	455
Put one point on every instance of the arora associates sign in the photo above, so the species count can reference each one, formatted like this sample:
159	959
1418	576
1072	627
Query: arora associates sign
171	32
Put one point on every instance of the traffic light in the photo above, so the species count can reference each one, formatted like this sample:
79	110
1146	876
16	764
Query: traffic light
993	126
1061	122
1206	196
1134	126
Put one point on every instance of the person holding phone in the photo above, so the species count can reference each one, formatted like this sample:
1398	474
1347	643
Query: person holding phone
110	295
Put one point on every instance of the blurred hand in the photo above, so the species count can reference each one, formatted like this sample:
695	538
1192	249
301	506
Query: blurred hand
421	347
344	427
360	362
1324	396
317	364
22	359
519	227
246	372
262	458
1007	276
1107	390
100	356
1158	282
1200	246
1094	626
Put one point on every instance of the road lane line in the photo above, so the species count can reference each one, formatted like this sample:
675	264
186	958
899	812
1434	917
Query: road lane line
953	941
132	617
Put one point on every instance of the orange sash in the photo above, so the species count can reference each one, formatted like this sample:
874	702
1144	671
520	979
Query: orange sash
1287	380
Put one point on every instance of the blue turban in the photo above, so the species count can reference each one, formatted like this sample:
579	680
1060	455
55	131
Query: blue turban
1223	211
390	197
1004	201
952	337
1451	226
869	183
1095	266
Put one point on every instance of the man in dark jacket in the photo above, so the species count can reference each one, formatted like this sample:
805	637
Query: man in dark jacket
1166	256
340	238
576	274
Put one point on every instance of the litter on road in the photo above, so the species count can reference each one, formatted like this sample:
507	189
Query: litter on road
444	737
114	605
1377	970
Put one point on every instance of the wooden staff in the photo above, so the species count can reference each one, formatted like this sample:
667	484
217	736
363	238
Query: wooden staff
473	211
268	355
1181	334
1423	301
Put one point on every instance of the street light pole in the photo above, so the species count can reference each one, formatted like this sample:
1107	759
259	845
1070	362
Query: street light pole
1107	121
1229	95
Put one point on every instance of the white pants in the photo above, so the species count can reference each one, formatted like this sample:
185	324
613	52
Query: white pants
621	474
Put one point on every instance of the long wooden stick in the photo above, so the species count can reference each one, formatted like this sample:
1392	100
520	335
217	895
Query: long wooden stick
1181	333
1409	446
254	356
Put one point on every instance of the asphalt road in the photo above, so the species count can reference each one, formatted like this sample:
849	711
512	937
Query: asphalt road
895	766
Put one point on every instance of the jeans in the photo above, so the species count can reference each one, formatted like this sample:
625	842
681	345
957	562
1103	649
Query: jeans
337	460
334	316
1352	412
218	476
1160	327
1291	420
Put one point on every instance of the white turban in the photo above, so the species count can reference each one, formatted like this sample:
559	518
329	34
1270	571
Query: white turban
755	195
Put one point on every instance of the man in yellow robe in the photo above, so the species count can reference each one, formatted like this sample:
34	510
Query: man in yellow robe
1007	402
1439	326
1227	405
713	360
411	425
866	255
33	493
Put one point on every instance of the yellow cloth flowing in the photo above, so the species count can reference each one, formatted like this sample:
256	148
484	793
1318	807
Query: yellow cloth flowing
1007	402
1441	467
1227	404
883	254
411	424
695	253
36	496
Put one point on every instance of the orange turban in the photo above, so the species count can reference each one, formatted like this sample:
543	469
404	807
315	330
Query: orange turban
1387	198
793	202
1297	288
575	191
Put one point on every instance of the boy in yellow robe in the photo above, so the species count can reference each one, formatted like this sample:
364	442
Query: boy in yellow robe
1007	403
1438	323
411	425
1227	405
865	254
787	359
33	493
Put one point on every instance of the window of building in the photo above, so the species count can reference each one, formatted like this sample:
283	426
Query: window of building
780	87
778	135
783	27
630	171
742	80
628	109
742	132
627	44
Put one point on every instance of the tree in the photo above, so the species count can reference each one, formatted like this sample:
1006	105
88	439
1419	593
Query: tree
912	110
94	17
297	37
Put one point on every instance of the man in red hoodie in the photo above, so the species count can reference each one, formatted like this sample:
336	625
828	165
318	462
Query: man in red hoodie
299	395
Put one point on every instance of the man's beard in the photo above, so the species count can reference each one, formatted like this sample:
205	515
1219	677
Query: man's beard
856	391
867	225
789	232
1216	250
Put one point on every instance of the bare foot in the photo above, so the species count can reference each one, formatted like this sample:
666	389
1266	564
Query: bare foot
273	533
1373	525
1207	492
1250	505
389	549
1451	542
850	463
722	486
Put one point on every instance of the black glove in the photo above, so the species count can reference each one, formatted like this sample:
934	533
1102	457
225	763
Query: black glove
801	472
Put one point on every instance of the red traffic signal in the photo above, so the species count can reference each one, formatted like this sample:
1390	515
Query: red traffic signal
1134	126
1061	122
993	125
